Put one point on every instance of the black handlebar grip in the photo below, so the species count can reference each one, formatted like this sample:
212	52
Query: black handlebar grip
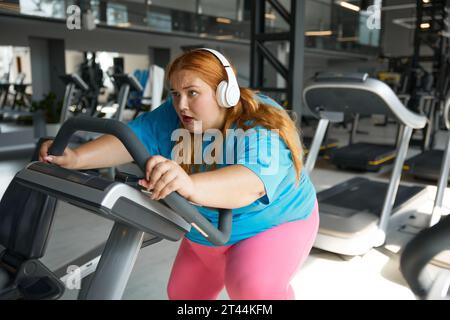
105	126
420	251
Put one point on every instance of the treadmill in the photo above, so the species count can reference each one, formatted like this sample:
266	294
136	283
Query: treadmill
75	87
431	245
363	156
354	215
20	107
134	214
22	139
126	84
427	164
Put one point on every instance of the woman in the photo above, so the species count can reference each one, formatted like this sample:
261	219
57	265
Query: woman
257	173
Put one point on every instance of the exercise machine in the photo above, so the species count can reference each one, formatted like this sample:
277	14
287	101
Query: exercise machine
427	164
125	84
419	253
21	102
363	156
431	245
73	95
354	215
133	213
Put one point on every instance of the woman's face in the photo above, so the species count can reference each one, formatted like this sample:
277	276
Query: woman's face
195	102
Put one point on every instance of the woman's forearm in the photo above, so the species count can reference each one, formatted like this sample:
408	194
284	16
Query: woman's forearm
106	151
231	187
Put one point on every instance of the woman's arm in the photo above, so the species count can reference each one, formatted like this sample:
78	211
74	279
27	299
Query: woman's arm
106	151
230	187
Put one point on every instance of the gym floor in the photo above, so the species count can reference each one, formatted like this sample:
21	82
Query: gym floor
324	275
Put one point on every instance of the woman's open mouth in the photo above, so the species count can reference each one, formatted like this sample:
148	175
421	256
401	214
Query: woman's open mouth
187	120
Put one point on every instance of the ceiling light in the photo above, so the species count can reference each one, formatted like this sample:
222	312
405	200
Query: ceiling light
350	6
223	20
318	33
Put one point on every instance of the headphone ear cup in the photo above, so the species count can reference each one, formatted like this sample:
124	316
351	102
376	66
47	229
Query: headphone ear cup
221	94
233	95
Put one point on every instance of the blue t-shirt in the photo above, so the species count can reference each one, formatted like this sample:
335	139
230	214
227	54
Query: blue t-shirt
264	153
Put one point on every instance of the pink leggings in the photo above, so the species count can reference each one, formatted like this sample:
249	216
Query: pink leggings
260	267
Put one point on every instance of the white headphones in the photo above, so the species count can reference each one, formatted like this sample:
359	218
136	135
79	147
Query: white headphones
227	93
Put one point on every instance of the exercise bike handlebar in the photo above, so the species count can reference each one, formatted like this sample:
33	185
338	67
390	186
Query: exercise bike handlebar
420	251
217	236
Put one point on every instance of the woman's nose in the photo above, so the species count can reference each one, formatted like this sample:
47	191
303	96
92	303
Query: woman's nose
183	103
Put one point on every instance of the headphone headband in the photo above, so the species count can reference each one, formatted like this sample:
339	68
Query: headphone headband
218	55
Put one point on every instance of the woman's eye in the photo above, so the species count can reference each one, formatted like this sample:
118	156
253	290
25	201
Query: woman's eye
175	94
193	93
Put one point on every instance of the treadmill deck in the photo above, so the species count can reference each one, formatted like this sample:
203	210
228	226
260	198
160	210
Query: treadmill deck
363	156
356	204
426	165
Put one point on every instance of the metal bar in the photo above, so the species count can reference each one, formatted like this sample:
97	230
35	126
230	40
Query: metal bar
315	145
430	125
399	135
124	92
296	57
116	264
273	60
256	58
355	124
442	184
67	100
281	10
394	182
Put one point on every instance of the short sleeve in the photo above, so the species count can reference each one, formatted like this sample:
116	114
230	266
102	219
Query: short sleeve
154	128
265	153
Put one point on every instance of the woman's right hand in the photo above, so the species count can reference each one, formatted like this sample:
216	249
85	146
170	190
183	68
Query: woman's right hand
67	160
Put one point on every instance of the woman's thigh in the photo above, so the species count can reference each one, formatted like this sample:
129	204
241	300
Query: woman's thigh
198	272
262	266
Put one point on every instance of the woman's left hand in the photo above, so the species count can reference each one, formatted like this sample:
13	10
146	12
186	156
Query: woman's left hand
164	176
